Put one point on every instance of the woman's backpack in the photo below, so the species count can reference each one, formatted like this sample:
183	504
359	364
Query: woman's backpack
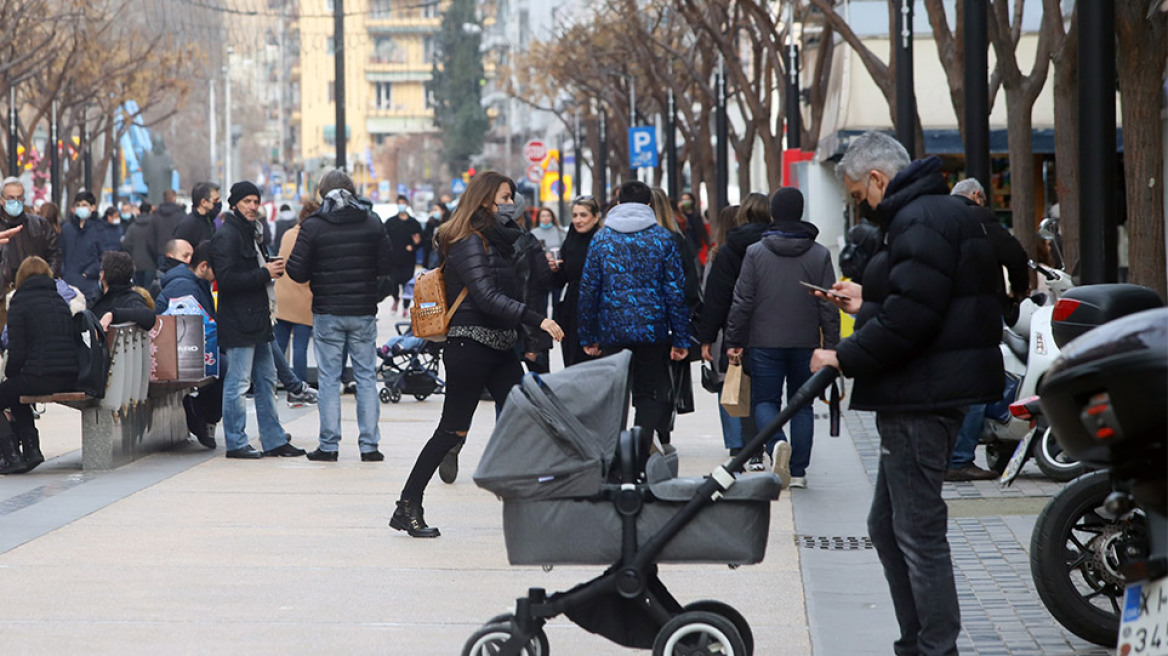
429	315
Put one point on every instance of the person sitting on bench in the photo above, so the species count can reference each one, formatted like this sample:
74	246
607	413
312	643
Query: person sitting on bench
42	359
120	301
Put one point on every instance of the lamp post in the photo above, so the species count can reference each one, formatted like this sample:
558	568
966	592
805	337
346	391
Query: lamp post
906	100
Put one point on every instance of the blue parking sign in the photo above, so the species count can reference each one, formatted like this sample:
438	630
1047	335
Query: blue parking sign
642	147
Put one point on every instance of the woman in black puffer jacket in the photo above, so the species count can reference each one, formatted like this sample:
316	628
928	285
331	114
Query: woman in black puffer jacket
42	359
487	260
585	223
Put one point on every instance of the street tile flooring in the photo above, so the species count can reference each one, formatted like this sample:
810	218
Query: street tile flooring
1001	613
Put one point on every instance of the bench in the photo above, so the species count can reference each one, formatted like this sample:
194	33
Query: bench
137	416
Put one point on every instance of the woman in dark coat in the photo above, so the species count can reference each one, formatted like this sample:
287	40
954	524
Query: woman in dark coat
42	359
487	259
568	271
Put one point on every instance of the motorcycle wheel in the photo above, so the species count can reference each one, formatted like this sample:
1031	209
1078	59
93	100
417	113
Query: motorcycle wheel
1076	552
1057	464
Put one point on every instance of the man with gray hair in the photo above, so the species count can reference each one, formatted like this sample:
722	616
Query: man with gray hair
341	250
925	347
35	235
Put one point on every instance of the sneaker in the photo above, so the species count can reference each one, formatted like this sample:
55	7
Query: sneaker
799	482
756	464
970	472
306	396
782	460
323	456
372	456
448	469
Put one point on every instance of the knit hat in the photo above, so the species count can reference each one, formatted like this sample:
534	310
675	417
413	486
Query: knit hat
241	190
786	205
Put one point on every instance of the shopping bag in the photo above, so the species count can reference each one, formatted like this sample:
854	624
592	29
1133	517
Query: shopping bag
736	392
187	305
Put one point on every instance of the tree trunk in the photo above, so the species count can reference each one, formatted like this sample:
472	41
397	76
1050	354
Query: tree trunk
1141	49
1019	131
1066	153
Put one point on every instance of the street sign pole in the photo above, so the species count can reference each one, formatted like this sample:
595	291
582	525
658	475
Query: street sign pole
1098	234
602	165
674	186
54	157
579	148
722	141
339	80
977	95
13	161
906	99
563	187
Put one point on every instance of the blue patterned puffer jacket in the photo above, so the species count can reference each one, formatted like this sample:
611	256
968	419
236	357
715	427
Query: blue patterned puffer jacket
633	288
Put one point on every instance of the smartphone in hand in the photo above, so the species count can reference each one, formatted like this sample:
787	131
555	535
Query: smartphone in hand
829	292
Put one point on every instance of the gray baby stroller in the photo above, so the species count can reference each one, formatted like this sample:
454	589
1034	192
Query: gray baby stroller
558	457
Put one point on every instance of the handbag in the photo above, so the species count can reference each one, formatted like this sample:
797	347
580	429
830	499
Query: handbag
711	381
683	398
429	316
736	392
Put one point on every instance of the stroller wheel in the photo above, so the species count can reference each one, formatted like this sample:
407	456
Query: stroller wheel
384	395
697	633
421	397
731	613
491	639
394	395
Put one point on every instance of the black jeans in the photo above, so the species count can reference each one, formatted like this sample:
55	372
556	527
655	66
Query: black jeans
652	386
908	522
20	385
470	367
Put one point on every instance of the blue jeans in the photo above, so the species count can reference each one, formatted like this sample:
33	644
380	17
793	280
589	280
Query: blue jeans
332	337
968	436
247	365
284	373
731	427
770	367
300	335
907	524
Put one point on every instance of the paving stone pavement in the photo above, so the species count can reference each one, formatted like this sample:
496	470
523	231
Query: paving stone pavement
1001	612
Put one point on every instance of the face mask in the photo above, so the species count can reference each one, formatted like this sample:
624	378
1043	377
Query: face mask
216	209
435	215
14	208
867	212
687	205
125	215
403	209
505	211
115	220
82	213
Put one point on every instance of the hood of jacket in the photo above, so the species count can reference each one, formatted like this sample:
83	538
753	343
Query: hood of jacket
742	237
630	217
921	178
790	239
180	270
340	207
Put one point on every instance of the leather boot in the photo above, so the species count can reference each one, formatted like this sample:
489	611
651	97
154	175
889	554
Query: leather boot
408	517
30	446
10	461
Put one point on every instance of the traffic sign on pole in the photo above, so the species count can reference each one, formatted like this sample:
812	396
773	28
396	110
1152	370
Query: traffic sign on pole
535	174
535	151
642	147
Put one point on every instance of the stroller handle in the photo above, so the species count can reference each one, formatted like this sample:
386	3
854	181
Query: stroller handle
806	394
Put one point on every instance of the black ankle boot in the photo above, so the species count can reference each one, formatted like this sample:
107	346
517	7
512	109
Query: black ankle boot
30	446
10	460
408	517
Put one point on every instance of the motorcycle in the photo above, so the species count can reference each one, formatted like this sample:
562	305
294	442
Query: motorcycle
1099	551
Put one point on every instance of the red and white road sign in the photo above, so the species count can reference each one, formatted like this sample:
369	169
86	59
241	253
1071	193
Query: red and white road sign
535	174
535	151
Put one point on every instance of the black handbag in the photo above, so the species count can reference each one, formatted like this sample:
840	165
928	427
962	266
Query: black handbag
710	379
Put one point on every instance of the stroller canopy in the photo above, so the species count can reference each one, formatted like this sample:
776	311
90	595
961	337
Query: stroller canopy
557	433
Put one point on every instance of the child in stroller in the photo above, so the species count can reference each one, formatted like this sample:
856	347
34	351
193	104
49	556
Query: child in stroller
409	365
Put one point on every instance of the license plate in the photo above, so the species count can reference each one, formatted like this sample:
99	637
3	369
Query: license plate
1016	460
1143	629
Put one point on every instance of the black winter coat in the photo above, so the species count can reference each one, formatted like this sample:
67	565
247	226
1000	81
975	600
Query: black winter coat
244	316
496	293
126	305
723	274
1007	250
163	224
36	238
927	333
404	251
41	337
340	255
573	254
195	229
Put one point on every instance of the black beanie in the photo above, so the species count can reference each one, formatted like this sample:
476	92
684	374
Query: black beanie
786	205
241	190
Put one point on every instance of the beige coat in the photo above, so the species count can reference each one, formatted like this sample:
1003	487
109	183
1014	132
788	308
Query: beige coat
293	299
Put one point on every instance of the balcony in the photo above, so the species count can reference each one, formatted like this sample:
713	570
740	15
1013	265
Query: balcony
392	26
398	73
387	122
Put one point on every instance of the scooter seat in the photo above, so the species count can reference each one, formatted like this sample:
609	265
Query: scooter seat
1017	344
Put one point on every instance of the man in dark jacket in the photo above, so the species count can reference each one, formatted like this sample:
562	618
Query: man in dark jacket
632	297
925	347
36	237
163	224
81	240
340	252
137	243
194	280
405	235
120	301
246	297
719	291
199	225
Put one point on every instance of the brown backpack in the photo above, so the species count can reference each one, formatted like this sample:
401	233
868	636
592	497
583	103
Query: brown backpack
429	316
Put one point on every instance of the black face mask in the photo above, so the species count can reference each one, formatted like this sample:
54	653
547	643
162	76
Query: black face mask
866	211
215	209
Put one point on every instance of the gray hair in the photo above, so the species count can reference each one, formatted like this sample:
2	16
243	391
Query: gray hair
967	187
873	151
335	179
12	181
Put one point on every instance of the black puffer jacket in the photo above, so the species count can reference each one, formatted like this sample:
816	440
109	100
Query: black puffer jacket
244	316
126	305
927	333
1007	250
41	337
340	254
495	297
723	274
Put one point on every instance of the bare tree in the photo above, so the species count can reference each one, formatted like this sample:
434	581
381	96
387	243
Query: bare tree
1064	54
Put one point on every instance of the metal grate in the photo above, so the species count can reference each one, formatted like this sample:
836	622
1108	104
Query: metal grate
834	543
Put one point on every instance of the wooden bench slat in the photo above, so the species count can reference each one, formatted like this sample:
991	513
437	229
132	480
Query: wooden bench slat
163	386
54	398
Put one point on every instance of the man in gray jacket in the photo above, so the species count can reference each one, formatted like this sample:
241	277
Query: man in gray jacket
782	324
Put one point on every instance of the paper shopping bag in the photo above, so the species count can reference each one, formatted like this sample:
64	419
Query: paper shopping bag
736	392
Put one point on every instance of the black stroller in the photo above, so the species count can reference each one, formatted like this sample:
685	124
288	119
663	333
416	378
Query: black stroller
558	457
409	365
